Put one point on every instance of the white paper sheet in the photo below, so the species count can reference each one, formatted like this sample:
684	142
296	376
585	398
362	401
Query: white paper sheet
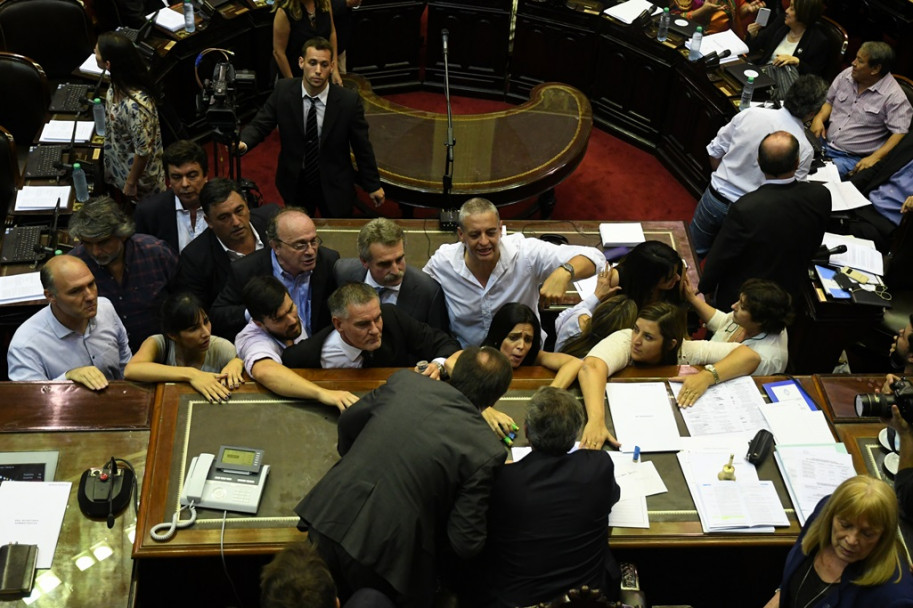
60	132
636	478
168	19
740	504
627	12
31	513
811	472
90	66
643	416
21	288
860	253
792	423
730	407
630	513
621	234
42	198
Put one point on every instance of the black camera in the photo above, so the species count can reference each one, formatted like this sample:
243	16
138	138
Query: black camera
879	406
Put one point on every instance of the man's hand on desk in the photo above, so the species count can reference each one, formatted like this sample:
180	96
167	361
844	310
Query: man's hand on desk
595	434
339	399
500	423
693	387
88	376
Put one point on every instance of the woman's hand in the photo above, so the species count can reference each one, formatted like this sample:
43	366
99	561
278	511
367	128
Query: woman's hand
753	29
210	386
129	189
604	288
781	60
693	387
500	423
233	373
595	434
688	290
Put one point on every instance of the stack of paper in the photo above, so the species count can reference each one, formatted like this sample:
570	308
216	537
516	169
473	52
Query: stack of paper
730	407
20	288
61	132
792	423
723	41
637	480
812	472
643	416
621	234
168	19
42	198
844	195
860	253
628	12
90	66
31	513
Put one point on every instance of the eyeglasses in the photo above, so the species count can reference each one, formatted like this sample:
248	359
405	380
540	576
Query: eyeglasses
303	245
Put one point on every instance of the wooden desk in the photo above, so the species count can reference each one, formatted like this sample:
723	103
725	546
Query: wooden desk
86	429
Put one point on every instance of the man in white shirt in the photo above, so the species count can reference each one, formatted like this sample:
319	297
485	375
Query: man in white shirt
484	270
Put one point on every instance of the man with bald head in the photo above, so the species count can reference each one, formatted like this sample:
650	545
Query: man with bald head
295	257
77	337
770	233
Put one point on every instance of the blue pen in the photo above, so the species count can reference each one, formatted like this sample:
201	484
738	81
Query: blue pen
636	453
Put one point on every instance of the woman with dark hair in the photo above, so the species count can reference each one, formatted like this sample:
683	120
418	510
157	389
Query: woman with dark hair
186	351
133	138
758	320
658	338
296	22
848	553
793	39
516	332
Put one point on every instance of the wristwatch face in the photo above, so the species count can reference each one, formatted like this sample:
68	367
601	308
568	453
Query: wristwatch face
569	268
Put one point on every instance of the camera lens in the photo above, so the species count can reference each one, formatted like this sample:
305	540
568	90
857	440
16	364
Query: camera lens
874	405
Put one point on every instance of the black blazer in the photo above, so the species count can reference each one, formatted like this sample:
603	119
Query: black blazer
812	49
227	313
420	296
404	342
876	175
770	233
204	265
344	127
416	470
155	215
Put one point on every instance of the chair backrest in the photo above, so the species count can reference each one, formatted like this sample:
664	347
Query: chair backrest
906	84
56	33
9	171
24	113
837	43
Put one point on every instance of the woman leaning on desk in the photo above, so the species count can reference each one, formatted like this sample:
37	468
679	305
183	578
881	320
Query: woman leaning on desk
658	338
296	22
847	553
758	320
133	137
187	351
793	39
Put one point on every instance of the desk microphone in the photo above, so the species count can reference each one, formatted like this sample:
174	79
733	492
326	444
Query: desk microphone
445	34
87	101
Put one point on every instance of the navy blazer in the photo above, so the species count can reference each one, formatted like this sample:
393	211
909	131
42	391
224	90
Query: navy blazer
420	296
344	130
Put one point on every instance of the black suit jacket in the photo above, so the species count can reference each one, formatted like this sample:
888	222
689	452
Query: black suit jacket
876	175
155	215
420	296
344	126
389	506
547	526
404	342
770	233
227	313
205	266
812	49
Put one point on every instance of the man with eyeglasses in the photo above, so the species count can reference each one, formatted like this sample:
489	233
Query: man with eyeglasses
296	258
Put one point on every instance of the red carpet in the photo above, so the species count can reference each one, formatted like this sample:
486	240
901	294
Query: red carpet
615	181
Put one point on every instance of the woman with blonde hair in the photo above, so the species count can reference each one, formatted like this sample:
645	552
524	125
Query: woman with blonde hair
847	554
296	22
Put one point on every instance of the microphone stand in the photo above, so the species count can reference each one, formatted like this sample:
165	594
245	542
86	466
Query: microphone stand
447	179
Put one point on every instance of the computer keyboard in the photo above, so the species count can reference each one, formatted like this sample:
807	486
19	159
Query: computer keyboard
43	161
19	244
69	98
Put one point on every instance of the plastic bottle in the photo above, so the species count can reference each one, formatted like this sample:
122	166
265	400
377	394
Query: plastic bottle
695	53
80	184
662	31
747	92
190	23
98	112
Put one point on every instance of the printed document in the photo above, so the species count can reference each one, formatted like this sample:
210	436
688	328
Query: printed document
643	416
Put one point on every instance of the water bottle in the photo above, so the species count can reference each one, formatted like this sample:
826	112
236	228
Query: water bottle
79	182
98	112
662	32
189	23
695	53
747	92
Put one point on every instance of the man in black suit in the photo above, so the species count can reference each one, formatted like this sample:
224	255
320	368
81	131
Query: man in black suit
770	233
234	232
382	266
368	334
547	520
413	482
317	127
296	258
174	215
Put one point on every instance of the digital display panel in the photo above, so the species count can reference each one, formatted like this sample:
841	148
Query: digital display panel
238	457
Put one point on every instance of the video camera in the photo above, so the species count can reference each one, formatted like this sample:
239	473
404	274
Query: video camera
879	405
218	97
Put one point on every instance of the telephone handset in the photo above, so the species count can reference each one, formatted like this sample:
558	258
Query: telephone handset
196	479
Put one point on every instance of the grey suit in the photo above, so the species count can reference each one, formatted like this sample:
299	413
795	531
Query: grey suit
420	296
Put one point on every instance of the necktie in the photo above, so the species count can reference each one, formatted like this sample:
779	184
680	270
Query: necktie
366	356
380	292
311	144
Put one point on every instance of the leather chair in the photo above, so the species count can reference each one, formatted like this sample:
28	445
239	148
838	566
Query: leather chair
9	171
25	112
56	33
837	41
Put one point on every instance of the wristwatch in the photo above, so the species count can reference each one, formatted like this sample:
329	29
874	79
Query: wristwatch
710	367
569	268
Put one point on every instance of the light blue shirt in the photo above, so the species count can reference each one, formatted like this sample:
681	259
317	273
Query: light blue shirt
889	197
299	288
43	349
255	344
